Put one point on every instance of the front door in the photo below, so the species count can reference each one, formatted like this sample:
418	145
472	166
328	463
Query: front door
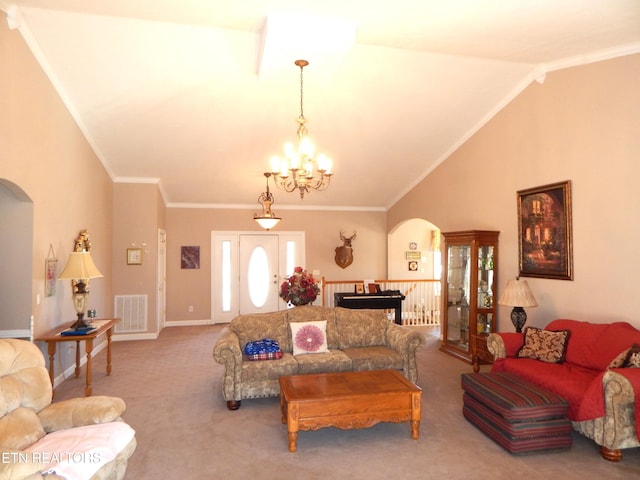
247	269
258	273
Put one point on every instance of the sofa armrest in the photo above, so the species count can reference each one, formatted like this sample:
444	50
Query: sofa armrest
78	412
405	341
504	344
227	351
621	388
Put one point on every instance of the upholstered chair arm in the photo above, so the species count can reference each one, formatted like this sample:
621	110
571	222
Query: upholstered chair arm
78	412
405	341
13	466
227	351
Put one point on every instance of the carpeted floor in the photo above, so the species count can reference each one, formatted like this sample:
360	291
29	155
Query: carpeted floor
184	430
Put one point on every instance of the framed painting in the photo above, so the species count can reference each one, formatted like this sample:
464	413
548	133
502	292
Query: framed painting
545	231
190	257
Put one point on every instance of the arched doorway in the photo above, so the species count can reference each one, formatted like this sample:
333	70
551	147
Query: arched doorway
423	239
413	254
16	258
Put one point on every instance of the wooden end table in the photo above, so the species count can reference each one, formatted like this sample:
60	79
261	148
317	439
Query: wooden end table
480	352
348	400
53	337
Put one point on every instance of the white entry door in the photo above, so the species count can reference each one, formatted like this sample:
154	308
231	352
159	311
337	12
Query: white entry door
247	269
258	273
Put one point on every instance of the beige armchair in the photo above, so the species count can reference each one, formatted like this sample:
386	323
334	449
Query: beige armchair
82	438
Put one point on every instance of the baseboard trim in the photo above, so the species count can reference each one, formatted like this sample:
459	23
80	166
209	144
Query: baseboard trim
125	337
189	323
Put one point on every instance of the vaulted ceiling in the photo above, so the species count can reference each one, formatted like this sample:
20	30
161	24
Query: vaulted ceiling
197	95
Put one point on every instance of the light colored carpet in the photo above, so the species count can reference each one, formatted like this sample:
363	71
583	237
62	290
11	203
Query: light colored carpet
184	430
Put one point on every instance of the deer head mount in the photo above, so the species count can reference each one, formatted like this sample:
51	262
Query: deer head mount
344	253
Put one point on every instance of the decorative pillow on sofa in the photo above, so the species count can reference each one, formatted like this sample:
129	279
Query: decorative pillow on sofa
544	345
265	349
630	358
309	337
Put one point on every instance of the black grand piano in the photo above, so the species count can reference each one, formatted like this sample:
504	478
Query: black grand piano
381	300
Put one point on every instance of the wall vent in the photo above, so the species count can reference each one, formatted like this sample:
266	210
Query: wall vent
132	312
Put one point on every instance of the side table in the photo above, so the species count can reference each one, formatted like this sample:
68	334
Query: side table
53	337
479	351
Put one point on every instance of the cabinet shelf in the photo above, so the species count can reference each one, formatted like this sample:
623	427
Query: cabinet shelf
469	287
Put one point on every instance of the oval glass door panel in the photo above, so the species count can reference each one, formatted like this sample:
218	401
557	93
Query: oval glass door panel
258	276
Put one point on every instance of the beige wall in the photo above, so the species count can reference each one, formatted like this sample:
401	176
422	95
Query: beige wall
193	226
138	213
581	125
43	152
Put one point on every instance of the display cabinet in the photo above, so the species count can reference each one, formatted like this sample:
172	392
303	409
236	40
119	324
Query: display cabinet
469	290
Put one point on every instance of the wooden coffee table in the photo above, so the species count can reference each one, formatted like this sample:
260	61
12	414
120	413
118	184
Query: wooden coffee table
348	400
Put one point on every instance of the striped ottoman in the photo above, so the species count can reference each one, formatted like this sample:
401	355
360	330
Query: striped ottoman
518	415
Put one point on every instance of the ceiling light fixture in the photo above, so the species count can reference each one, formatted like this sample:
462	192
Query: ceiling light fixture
295	170
268	219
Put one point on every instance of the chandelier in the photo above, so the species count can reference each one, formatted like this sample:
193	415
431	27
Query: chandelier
268	219
295	170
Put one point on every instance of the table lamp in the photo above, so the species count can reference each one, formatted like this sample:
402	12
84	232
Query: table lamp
518	295
80	268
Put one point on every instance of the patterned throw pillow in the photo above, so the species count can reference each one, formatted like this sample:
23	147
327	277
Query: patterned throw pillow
309	337
265	349
629	358
544	345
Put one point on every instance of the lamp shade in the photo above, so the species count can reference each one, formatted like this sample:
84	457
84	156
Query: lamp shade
517	294
267	222
80	266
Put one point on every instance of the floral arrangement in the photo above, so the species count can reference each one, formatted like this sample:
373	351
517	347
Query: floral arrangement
300	288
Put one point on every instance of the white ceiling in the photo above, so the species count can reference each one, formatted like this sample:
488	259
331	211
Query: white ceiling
171	91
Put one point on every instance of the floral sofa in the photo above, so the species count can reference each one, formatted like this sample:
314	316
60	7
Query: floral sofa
354	340
589	365
80	438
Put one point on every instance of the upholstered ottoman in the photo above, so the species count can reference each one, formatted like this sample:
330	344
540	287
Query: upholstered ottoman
518	415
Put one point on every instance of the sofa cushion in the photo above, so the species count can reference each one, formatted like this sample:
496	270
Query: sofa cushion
361	328
309	337
252	327
595	345
544	345
327	362
374	358
256	371
311	313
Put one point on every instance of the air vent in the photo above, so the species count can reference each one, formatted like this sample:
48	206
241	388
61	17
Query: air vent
132	312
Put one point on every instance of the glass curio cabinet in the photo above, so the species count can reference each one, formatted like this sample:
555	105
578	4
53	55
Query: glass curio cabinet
469	286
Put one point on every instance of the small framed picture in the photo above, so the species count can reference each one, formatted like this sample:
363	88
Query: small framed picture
413	246
134	256
413	266
413	255
373	287
359	287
